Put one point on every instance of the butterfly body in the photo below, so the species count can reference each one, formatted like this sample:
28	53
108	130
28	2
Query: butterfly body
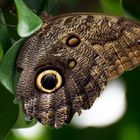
74	55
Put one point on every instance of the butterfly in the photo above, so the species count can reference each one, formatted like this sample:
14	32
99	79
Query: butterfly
68	62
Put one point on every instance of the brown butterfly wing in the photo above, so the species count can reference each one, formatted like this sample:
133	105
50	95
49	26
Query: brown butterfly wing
125	51
108	47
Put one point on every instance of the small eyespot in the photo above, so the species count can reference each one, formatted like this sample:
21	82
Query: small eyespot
73	41
49	81
138	41
72	63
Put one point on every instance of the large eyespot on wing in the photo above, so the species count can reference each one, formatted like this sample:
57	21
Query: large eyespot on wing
49	81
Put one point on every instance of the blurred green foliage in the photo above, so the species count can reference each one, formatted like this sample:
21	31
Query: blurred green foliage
7	65
108	6
11	116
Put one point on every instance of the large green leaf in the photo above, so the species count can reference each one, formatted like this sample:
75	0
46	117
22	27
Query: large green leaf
28	22
7	66
113	7
8	112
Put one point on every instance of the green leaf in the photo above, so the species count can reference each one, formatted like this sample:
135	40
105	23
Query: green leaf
7	66
28	22
1	52
8	112
113	7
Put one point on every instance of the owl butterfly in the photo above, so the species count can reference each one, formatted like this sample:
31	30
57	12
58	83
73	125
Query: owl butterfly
69	61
